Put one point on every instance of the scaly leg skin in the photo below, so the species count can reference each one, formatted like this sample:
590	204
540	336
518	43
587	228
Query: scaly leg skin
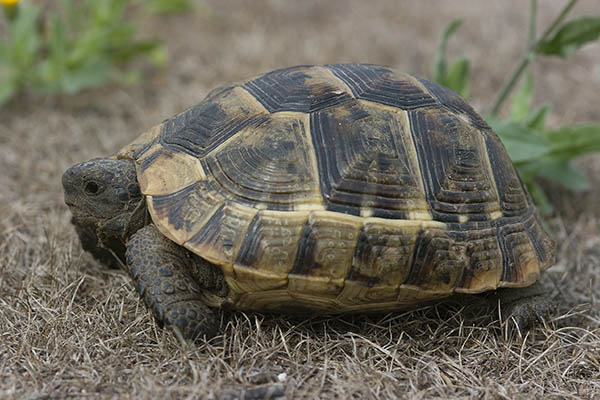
162	272
525	307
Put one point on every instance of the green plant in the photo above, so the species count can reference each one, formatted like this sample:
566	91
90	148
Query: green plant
18	50
168	6
78	45
536	150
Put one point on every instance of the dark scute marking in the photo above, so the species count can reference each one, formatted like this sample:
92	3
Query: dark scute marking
438	261
186	206
305	255
292	89
270	165
382	254
146	162
543	245
365	280
200	129
210	234
454	102
170	205
249	253
514	243
378	84
363	162
514	199
455	177
218	92
142	149
368	251
482	249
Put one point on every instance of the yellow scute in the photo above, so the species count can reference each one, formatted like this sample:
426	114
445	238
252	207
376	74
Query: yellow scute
168	172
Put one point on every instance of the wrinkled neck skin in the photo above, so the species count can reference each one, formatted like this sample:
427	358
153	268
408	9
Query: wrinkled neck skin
107	206
107	239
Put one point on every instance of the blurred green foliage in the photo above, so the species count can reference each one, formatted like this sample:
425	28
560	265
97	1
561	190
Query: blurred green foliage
76	45
455	77
168	6
536	150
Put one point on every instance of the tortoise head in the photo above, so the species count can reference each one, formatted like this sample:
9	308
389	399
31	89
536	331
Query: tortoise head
107	206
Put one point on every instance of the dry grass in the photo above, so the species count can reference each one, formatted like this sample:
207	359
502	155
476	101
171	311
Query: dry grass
71	328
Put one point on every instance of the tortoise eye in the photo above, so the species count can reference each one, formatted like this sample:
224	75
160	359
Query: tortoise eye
92	188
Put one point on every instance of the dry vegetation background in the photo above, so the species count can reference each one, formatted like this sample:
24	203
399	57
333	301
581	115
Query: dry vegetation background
71	328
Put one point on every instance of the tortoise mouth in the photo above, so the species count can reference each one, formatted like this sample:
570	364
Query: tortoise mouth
108	251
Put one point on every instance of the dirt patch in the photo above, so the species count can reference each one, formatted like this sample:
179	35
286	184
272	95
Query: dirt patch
71	328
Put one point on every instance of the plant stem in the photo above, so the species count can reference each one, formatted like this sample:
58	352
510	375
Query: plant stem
526	58
532	22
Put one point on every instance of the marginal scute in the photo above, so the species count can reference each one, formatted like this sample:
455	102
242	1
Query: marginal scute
438	261
381	262
180	215
271	241
543	245
256	280
220	238
519	258
325	253
409	295
484	268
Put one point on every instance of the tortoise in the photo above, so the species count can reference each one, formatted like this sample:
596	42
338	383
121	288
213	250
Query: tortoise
334	188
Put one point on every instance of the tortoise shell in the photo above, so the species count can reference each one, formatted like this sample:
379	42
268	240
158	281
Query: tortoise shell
341	188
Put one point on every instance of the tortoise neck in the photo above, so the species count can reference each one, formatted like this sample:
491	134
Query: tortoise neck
114	233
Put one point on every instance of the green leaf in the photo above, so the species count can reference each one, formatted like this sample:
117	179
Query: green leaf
169	6
8	89
50	71
522	143
159	56
86	76
574	140
457	78
73	46
24	41
521	104
570	36
565	173
439	74
129	50
537	118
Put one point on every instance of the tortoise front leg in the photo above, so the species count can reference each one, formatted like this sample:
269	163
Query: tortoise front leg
162	273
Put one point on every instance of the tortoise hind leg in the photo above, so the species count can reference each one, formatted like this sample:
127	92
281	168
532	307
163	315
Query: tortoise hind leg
162	273
525	306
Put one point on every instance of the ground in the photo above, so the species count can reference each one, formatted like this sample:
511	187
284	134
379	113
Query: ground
72	328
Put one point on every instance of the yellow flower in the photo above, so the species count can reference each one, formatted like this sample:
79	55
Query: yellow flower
9	3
